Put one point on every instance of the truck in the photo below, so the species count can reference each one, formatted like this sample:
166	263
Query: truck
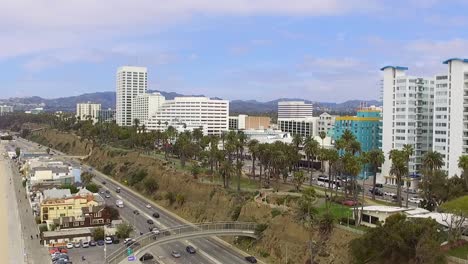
119	203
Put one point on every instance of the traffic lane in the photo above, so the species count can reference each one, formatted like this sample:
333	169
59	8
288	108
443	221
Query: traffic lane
93	255
222	254
140	223
167	258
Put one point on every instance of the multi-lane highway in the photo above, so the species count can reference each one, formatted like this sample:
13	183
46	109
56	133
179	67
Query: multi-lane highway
209	250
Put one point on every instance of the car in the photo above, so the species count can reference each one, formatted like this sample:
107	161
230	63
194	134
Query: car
107	196
117	190
103	182
190	249
116	240
379	185
148	206
155	231
100	242
389	194
69	245
60	256
156	215
350	203
150	222
146	256
107	191
92	243
102	192
376	191
63	250
136	212
85	244
127	240
108	240
251	259
415	200
77	244
175	254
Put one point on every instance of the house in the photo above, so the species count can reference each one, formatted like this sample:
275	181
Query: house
371	215
62	237
91	216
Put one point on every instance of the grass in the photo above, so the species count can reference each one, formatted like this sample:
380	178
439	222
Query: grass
459	204
246	184
337	210
460	252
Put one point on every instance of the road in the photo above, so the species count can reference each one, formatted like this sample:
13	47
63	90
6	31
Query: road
209	250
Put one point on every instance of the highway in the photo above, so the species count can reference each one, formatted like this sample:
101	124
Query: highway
209	250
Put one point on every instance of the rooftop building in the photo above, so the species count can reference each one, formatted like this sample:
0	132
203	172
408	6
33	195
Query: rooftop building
294	109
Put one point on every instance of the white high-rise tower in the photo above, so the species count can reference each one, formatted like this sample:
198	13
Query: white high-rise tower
131	81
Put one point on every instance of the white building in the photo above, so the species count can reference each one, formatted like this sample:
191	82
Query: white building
325	122
5	109
211	114
294	109
146	105
131	81
302	126
407	116
84	111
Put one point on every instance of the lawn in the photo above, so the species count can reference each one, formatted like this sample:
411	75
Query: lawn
460	252
458	204
337	210
246	184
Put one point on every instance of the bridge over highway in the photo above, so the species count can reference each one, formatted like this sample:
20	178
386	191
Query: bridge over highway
183	232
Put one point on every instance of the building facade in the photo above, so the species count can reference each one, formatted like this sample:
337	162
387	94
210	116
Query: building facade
146	105
4	109
210	114
131	81
294	109
106	115
242	122
325	122
408	104
85	111
302	126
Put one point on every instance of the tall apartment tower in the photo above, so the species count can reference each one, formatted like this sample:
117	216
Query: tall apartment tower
408	104
146	105
294	109
131	81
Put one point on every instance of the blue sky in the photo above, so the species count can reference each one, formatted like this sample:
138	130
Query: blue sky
235	49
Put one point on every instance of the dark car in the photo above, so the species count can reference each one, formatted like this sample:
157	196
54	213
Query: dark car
190	250
115	240
379	185
92	243
150	222
103	182
136	212
146	256
376	191
117	190
100	243
251	259
107	191
156	215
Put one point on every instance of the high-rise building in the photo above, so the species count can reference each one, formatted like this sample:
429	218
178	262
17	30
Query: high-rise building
294	109
145	105
408	104
210	114
5	109
131	81
88	110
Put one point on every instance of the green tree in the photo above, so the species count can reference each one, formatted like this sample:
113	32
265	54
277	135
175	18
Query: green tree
408	152
123	230
86	178
150	185
92	187
196	170
298	179
241	140
72	188
311	147
297	140
98	233
17	152
398	169
306	210
463	165
253	146
375	158
114	212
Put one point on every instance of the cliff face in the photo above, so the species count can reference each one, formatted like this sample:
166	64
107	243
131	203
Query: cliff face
283	237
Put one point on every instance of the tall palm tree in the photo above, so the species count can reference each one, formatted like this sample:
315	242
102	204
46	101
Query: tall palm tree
240	145
226	169
253	146
375	158
311	147
398	169
463	165
432	160
408	152
297	140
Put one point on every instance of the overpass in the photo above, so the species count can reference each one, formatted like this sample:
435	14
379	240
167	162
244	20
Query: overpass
183	232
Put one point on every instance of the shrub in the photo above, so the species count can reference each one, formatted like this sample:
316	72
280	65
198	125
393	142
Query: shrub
171	197
260	228
212	193
180	199
137	177
124	230
108	168
98	233
275	212
236	212
92	187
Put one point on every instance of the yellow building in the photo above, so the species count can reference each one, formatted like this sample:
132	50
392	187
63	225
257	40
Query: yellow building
55	208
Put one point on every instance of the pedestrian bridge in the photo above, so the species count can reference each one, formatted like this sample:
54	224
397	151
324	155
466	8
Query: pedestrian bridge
183	232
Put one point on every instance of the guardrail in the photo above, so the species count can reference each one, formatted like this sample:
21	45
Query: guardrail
181	232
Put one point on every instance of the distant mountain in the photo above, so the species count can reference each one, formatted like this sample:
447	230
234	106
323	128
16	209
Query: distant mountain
107	100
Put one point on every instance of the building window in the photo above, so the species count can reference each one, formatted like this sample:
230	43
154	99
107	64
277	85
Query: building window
75	223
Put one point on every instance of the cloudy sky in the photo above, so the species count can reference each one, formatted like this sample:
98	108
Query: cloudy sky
324	50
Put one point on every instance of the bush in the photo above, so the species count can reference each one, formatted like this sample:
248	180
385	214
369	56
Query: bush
171	197
180	199
150	184
124	230
92	187
260	228
43	228
108	169
72	188
275	212
137	177
236	212
98	233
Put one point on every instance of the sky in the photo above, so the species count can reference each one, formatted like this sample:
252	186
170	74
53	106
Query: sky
234	49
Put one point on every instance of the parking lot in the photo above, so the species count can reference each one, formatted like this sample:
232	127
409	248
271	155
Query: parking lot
93	255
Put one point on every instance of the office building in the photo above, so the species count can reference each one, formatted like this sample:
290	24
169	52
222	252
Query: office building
294	109
302	126
4	109
243	122
88	111
131	81
210	114
106	115
408	104
145	105
325	122
35	111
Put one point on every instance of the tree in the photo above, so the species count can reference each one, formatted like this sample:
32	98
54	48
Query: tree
92	187
375	158
150	185
72	188
124	230
226	169
240	144
305	210
432	160
297	140
311	147
298	179
114	213
463	165
98	233
322	136
398	169
399	240
17	152
86	178
253	149
196	170
408	152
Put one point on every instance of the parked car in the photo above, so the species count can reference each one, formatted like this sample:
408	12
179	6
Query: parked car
115	240
100	243
175	254
136	212
379	185
85	244
108	240
107	191
146	256
77	244
190	249
127	240
156	215
415	200
350	203
389	194
69	245
251	259
92	243
376	191
413	191
150	222
103	182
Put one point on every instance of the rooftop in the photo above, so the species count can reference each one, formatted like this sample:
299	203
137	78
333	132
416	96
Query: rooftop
457	59
56	193
67	232
401	68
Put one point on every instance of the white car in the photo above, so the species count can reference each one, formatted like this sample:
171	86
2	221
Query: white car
155	231
108	240
415	200
127	240
85	244
148	206
389	194
69	245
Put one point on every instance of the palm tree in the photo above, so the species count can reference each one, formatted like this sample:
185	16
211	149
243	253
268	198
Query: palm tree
332	157
432	160
297	140
408	151
226	169
398	169
241	140
311	147
253	146
213	152
463	165
375	158
322	136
